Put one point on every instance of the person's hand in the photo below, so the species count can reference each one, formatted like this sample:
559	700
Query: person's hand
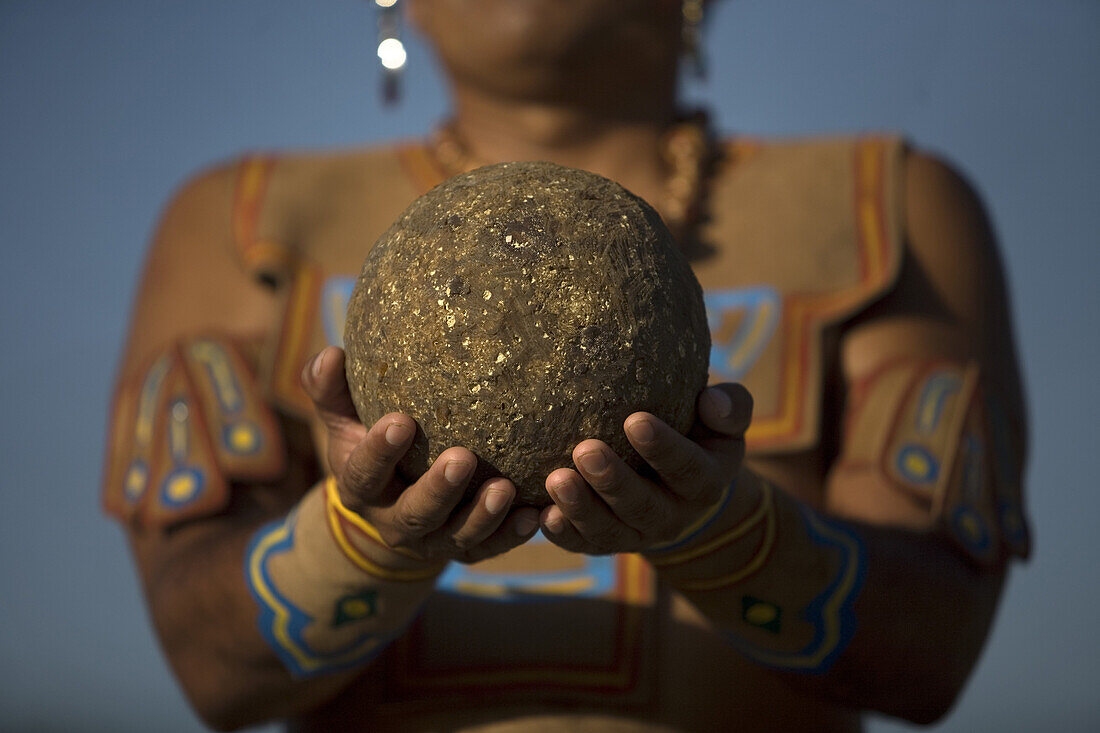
607	507
427	519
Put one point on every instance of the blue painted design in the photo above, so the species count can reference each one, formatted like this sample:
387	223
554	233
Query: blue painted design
937	388
334	306
234	442
283	624
182	486
217	365
531	587
733	359
971	529
916	464
136	481
831	613
179	438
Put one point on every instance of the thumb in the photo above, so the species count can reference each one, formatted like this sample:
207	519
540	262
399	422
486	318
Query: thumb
324	381
725	409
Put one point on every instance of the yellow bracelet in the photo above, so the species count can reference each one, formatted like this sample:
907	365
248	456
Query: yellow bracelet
748	569
731	535
335	509
708	516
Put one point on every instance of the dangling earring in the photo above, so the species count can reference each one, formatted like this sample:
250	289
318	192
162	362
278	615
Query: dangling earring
692	11
391	51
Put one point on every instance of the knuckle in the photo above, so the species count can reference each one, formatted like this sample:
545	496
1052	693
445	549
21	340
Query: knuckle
393	536
415	523
611	482
364	468
461	543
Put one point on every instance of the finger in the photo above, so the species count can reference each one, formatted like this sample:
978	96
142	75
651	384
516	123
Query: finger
586	511
518	527
725	410
324	381
683	465
635	501
560	531
369	466
427	505
480	517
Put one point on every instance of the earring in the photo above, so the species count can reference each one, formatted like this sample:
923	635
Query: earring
391	51
692	11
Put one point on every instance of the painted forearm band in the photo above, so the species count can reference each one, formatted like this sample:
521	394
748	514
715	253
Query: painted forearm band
319	611
812	627
779	579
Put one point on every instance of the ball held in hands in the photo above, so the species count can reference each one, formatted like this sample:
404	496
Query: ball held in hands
519	309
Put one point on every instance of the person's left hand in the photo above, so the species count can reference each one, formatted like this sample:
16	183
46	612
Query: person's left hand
607	507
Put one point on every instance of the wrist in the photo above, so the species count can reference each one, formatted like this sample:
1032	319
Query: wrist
362	544
320	610
732	541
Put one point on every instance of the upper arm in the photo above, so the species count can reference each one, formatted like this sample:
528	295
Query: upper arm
192	280
947	318
191	425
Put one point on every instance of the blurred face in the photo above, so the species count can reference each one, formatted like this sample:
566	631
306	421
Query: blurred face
518	47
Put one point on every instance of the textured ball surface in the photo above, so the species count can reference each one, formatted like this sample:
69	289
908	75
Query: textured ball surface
519	309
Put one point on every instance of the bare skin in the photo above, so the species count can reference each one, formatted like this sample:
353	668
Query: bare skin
517	99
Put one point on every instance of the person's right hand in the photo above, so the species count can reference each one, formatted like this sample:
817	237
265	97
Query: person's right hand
428	518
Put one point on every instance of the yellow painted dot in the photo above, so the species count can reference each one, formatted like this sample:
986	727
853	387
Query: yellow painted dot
356	607
917	464
760	614
242	438
182	487
970	526
135	482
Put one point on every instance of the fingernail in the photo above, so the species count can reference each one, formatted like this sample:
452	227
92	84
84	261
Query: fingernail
315	367
525	524
642	431
565	492
594	462
397	434
495	501
719	401
456	471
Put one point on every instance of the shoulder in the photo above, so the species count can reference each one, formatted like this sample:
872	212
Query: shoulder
826	153
948	235
269	206
295	177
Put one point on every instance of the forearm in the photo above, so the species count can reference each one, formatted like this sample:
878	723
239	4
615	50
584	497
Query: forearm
873	617
266	619
922	618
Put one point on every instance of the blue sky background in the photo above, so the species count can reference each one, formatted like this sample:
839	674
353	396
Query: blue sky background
106	106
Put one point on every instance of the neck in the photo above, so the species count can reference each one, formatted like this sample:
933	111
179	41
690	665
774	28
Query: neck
608	128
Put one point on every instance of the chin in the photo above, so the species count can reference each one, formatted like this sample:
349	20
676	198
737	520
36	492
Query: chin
497	37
